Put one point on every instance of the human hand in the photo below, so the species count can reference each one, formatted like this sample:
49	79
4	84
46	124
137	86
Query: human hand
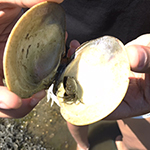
11	105
137	99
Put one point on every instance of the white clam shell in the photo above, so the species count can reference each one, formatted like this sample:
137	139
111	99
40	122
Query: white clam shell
101	69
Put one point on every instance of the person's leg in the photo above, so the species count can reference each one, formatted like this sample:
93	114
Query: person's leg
119	143
80	135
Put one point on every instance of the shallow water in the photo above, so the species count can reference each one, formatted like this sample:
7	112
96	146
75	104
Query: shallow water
46	124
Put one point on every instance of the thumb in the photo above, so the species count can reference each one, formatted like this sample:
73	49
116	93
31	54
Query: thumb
139	53
139	57
9	100
16	108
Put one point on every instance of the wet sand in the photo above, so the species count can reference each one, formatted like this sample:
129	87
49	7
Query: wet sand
46	126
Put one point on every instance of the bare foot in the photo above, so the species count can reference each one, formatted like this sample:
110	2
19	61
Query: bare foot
119	143
80	148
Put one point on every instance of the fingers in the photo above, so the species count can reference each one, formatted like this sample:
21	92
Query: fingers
13	107
35	98
74	44
28	3
139	54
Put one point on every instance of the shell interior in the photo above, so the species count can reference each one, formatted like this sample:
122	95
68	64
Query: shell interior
34	49
97	81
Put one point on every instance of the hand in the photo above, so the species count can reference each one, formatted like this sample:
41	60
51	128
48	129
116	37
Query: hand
137	99
11	105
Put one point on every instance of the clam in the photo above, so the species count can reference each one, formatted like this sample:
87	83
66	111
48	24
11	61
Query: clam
34	49
89	88
95	82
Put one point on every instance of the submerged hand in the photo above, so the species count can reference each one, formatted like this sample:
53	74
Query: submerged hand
11	105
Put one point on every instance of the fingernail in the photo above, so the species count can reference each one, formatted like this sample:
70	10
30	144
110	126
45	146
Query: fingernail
142	59
34	102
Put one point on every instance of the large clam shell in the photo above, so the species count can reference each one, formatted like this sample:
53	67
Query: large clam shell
95	82
92	85
34	49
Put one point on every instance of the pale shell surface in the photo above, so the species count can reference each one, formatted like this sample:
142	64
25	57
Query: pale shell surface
100	72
